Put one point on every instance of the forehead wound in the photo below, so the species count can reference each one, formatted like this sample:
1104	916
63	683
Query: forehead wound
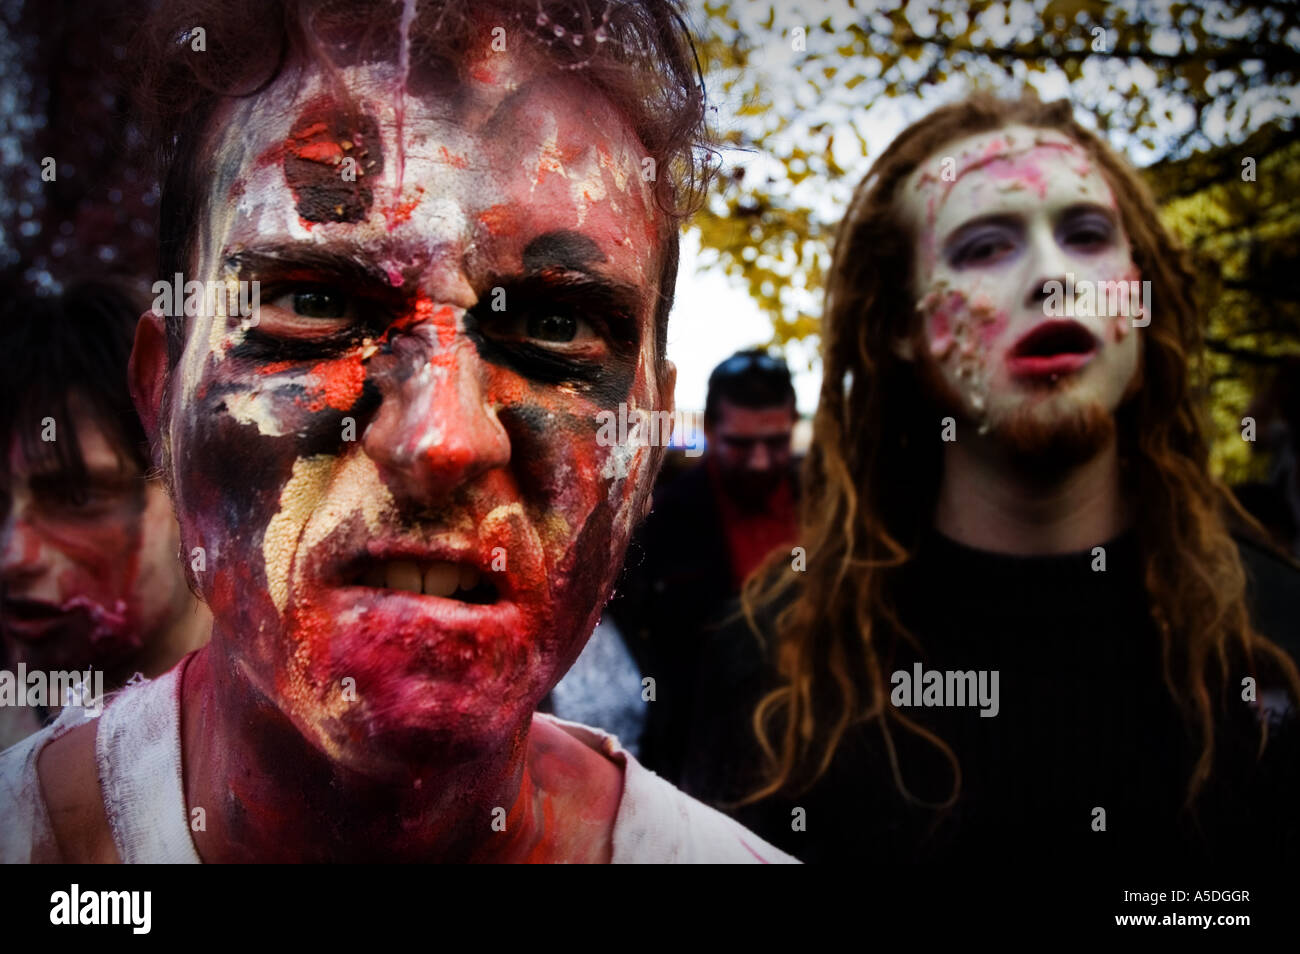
1004	151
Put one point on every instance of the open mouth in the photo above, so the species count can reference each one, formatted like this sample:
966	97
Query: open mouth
30	611
442	578
1052	348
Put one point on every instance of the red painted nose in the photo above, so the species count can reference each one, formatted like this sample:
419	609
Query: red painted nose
436	429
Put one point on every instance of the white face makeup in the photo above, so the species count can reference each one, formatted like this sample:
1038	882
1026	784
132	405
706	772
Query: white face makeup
996	217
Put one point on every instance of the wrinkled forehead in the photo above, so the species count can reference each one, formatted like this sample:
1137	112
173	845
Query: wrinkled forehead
1009	169
422	168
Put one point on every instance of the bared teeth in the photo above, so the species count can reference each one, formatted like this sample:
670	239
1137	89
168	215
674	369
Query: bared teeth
468	577
441	578
404	575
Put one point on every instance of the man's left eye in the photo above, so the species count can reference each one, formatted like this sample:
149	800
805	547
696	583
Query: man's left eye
555	328
547	328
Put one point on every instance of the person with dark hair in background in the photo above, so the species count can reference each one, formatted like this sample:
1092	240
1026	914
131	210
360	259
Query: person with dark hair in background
463	221
1275	503
88	543
708	530
1025	635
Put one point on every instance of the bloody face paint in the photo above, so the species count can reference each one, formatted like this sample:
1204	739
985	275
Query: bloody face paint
410	526
996	217
88	576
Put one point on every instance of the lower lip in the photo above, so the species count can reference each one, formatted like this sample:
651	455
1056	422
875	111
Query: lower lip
374	621
31	630
1052	365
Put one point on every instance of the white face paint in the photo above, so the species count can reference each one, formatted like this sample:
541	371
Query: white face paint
996	217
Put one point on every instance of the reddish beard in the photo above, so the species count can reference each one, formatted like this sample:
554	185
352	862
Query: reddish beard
1069	435
1044	433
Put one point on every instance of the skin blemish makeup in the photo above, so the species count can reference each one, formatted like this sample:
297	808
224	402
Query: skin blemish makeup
997	216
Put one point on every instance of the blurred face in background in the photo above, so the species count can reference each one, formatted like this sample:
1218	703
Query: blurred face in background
996	217
750	448
89	575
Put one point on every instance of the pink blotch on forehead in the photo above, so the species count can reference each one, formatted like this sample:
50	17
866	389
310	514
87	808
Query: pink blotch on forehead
1024	171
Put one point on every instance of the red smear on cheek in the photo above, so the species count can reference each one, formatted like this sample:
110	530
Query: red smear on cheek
341	382
939	325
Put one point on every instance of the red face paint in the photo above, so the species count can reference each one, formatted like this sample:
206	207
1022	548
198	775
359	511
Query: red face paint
89	575
384	422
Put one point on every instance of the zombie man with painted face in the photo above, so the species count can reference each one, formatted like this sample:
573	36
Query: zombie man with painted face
1025	633
464	229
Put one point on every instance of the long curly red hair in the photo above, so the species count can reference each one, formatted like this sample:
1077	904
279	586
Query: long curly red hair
871	481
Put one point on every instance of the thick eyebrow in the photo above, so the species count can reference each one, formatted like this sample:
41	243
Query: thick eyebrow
562	248
565	260
610	294
346	263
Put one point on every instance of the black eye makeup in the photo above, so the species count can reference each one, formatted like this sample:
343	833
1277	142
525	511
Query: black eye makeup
313	302
557	324
1087	229
983	242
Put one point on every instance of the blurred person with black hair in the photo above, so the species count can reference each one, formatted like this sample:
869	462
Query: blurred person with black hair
88	544
708	530
1275	503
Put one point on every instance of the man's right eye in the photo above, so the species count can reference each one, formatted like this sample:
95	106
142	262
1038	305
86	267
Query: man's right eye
320	304
309	311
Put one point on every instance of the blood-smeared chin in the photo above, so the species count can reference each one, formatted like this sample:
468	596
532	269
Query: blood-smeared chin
397	671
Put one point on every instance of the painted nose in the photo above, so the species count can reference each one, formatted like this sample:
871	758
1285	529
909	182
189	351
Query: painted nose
760	458
435	431
1048	267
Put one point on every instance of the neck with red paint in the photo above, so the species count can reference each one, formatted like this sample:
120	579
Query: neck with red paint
271	796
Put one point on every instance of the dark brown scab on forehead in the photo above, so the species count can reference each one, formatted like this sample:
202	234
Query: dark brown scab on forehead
326	186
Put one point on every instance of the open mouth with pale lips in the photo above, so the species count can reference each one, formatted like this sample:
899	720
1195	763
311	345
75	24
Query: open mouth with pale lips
1052	349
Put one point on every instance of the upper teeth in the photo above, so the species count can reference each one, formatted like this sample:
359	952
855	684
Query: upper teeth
439	578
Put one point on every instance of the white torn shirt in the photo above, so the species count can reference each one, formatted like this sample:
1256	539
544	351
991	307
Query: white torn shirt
138	756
